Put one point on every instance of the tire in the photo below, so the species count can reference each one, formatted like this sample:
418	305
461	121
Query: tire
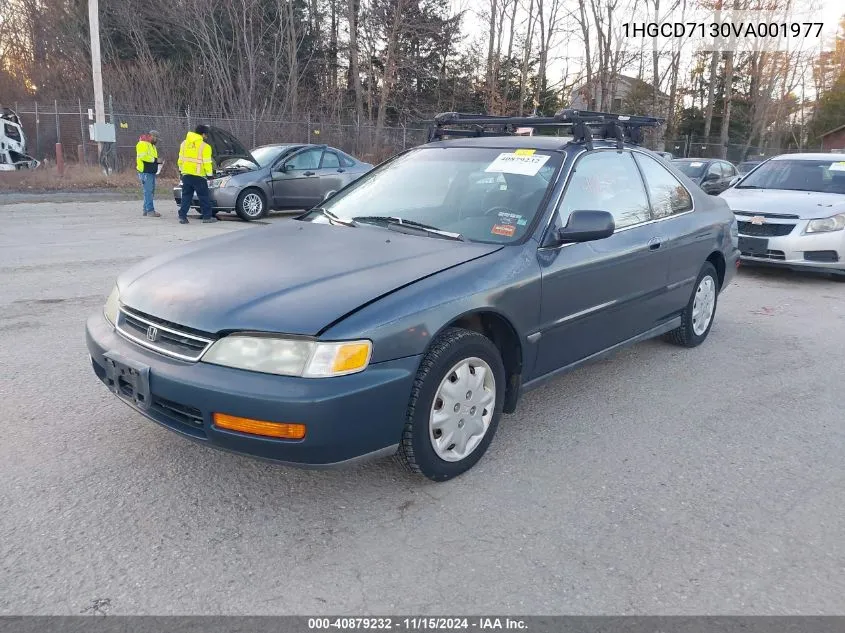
251	205
689	333
455	348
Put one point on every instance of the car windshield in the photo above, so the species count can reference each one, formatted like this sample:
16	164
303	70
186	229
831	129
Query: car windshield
821	175
691	168
264	155
483	194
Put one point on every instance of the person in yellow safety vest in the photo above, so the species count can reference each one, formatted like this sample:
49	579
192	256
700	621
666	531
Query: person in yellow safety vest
147	165
195	167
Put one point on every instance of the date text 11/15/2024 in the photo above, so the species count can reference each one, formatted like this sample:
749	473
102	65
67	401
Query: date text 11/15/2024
417	623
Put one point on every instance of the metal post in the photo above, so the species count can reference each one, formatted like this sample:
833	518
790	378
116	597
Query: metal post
254	125
60	158
37	132
83	154
309	128
404	136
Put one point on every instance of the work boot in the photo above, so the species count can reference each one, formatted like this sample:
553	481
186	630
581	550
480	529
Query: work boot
209	220
152	214
183	220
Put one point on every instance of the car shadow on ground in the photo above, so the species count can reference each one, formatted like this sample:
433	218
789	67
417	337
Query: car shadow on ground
786	275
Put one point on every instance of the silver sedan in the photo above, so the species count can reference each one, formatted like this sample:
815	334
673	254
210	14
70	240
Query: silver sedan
790	212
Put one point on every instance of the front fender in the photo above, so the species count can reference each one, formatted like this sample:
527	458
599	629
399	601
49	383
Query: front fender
405	322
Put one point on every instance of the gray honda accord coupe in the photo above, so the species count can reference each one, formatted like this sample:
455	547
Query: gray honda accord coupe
405	314
274	177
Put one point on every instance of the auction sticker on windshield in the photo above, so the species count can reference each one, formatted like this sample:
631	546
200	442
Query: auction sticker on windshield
837	167
519	162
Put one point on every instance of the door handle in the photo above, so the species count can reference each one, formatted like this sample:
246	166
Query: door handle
654	244
310	173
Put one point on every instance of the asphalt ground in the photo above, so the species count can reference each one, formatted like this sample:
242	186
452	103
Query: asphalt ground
660	481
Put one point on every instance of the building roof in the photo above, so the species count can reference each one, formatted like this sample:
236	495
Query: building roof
634	81
829	132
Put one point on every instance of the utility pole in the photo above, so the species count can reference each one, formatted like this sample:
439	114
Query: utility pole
100	131
96	63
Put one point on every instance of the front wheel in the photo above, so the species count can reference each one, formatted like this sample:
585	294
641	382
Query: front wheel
455	406
251	205
697	317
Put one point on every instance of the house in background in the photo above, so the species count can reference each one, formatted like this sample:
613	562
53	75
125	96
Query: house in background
834	140
628	93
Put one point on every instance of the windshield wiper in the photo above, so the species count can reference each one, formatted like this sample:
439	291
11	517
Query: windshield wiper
392	222
334	219
747	187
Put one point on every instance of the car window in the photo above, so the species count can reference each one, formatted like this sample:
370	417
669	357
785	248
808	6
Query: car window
485	194
330	161
309	159
668	195
714	169
821	175
345	160
691	168
607	181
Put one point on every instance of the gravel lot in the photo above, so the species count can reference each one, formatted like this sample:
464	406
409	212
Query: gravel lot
661	481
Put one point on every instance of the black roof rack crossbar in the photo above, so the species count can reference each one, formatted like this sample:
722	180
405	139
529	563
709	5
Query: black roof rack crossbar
583	123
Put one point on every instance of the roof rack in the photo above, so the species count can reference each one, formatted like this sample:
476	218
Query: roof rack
584	123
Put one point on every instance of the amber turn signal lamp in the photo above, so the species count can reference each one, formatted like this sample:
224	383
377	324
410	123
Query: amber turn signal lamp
281	430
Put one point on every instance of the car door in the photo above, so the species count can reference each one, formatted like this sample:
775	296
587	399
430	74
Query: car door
712	178
598	294
728	173
683	241
296	183
332	174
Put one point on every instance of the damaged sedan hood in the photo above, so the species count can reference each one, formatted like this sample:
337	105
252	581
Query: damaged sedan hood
296	278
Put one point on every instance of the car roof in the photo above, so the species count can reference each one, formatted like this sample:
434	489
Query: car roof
548	143
816	156
695	160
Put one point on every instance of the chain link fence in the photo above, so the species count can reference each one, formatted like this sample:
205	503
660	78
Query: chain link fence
45	125
736	153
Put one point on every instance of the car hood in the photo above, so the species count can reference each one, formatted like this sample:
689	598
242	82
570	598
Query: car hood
297	278
805	204
225	146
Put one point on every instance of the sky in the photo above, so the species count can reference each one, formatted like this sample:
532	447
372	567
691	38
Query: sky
571	50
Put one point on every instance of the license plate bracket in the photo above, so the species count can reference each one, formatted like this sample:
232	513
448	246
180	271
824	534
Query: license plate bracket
128	379
754	246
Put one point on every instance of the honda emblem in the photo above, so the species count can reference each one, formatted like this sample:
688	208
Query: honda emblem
152	333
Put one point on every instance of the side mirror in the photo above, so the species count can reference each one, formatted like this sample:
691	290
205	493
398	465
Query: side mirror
586	226
735	180
328	194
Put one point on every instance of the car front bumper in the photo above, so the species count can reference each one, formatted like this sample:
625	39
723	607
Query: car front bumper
347	418
820	252
222	199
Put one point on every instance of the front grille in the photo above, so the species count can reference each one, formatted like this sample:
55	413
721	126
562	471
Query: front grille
180	413
775	216
162	336
776	255
764	230
821	256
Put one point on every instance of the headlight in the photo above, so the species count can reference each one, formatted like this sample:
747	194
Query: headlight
219	182
826	225
112	306
289	356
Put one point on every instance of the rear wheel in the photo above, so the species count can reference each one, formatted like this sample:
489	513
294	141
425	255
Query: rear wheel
251	205
697	318
455	406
